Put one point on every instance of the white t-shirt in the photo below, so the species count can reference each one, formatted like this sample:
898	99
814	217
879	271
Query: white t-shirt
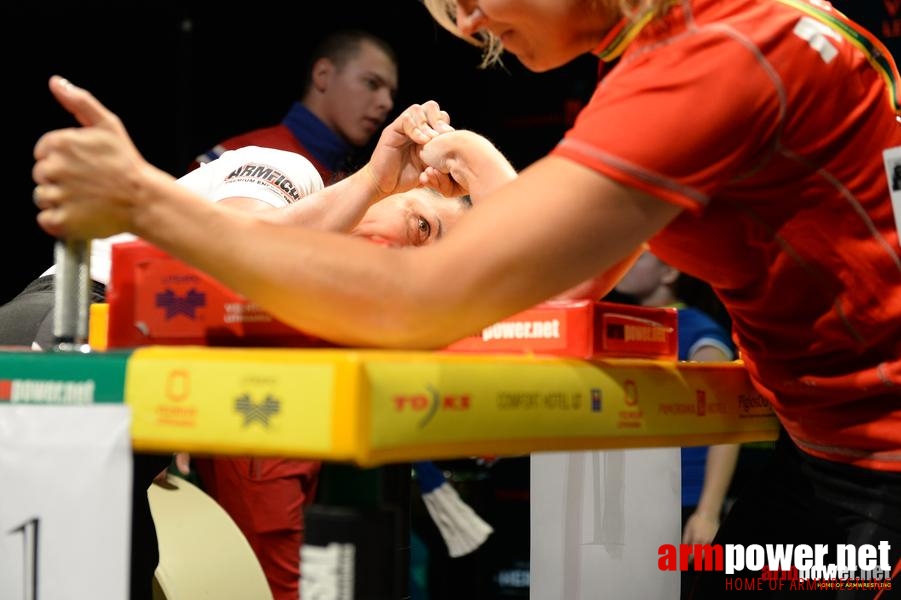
276	177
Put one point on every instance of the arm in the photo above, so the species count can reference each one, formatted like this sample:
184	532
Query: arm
338	207
599	286
339	288
702	525
704	522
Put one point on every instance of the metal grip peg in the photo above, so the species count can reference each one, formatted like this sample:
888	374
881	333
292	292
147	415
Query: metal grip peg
72	295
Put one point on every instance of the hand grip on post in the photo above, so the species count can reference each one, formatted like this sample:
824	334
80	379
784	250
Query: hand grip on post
72	295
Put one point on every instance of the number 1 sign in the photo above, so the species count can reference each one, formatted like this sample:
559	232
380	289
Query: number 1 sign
65	501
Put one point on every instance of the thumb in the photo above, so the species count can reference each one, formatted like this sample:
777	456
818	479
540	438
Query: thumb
86	109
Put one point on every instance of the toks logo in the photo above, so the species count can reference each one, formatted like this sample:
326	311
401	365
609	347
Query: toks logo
430	403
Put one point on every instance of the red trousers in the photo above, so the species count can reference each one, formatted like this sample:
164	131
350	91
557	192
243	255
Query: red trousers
265	498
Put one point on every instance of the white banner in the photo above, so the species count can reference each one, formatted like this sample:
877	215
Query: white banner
65	501
598	520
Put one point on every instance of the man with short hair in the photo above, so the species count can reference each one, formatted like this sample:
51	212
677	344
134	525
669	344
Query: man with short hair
347	95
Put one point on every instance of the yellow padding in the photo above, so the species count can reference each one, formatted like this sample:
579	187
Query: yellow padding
374	407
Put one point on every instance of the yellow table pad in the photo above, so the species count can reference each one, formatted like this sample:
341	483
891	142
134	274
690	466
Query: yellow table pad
373	407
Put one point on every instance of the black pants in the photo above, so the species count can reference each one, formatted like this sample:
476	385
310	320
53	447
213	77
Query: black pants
29	317
799	499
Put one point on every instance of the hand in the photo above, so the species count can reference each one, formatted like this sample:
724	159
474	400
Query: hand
85	175
443	183
700	529
395	164
461	162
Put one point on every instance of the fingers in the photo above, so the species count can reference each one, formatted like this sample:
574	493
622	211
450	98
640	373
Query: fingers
52	216
51	221
46	161
437	118
45	196
430	178
442	183
422	122
86	109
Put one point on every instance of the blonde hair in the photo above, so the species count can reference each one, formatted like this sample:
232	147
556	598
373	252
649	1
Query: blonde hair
445	13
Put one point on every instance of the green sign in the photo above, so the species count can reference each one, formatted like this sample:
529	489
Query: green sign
71	378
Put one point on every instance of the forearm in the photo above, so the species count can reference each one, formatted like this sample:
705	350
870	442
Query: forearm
720	467
601	285
338	207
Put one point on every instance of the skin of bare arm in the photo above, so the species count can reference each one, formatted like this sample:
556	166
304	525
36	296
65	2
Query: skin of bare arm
599	285
338	207
554	226
702	525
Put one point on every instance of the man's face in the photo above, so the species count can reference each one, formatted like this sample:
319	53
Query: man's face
414	218
360	94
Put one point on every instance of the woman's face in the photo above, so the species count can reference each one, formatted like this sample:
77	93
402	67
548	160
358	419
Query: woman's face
414	218
542	34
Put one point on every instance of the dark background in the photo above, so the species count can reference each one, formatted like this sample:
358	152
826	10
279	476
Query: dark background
185	74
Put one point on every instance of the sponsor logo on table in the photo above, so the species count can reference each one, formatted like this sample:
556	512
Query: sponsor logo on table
257	411
430	403
522	330
177	390
753	405
47	391
632	417
547	401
